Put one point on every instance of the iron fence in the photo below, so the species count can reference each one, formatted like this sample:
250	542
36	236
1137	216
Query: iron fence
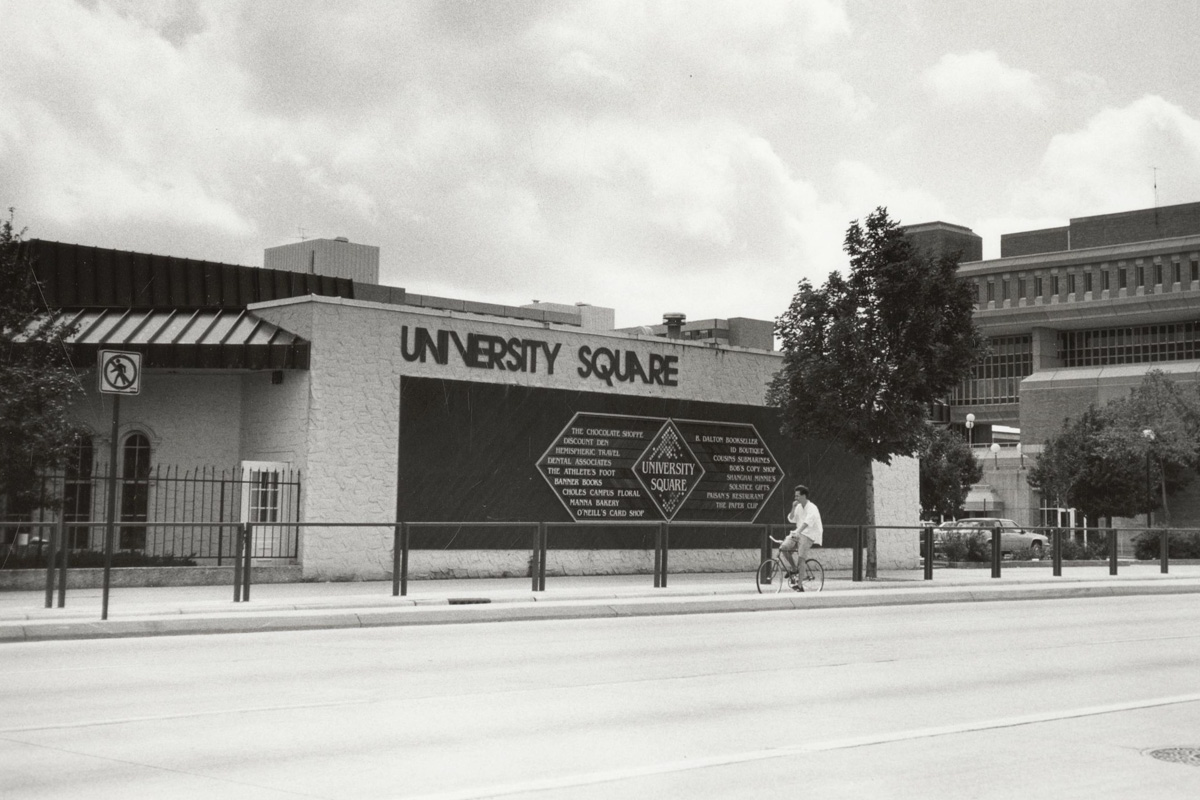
168	512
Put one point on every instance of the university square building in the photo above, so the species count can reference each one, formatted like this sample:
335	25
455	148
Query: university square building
307	399
1075	315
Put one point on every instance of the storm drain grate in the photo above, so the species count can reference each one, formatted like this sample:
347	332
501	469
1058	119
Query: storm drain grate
468	601
1178	755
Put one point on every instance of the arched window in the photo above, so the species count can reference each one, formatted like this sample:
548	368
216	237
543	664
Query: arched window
77	493
135	489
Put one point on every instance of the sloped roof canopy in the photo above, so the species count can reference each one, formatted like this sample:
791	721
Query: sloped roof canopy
187	339
982	498
178	313
78	276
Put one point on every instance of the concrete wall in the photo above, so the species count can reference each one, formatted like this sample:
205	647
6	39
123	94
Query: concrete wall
897	505
942	238
1048	240
756	333
1135	226
340	259
274	419
186	417
1048	398
28	580
515	563
209	419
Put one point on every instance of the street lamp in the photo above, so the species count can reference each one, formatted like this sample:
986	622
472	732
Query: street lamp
1148	435
995	454
970	425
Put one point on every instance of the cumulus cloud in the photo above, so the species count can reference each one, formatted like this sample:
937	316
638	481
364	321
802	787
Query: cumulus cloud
981	79
1112	162
490	147
862	187
96	136
701	155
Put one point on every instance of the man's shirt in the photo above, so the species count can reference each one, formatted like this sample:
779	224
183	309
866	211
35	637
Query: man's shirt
811	515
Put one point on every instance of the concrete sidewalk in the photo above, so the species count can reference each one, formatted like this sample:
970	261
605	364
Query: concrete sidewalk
300	606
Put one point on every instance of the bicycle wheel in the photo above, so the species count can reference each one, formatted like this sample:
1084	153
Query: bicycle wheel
769	577
814	576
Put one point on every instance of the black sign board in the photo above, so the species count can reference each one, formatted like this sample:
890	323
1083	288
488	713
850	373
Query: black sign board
615	467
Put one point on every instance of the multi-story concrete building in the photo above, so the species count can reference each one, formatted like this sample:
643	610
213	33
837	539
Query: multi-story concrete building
1075	315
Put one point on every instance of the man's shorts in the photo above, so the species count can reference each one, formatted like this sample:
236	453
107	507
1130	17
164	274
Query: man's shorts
796	541
799	543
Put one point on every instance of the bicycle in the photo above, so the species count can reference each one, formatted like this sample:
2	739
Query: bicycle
772	575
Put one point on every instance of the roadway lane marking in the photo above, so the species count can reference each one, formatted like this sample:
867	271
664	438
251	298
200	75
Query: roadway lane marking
91	723
607	776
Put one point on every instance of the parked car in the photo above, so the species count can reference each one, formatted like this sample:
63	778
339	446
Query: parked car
1012	536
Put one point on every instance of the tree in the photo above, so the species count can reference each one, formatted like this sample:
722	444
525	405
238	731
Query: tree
1172	413
865	355
1090	467
1098	463
948	470
37	382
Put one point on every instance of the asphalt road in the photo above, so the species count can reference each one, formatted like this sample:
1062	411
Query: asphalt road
1030	699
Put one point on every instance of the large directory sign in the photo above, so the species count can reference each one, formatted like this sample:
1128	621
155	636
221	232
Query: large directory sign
618	467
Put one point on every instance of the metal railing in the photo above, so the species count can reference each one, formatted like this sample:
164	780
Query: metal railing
1057	536
168	511
246	545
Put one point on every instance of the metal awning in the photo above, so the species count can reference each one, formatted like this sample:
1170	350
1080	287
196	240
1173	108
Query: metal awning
982	498
187	339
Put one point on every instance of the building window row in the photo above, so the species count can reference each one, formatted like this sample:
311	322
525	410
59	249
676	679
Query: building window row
1141	274
997	377
1130	345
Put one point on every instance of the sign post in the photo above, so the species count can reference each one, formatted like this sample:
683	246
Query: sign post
119	373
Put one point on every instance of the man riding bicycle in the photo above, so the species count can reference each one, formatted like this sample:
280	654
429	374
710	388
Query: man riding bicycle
807	518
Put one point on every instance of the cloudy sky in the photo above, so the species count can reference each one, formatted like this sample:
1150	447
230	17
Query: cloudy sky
690	156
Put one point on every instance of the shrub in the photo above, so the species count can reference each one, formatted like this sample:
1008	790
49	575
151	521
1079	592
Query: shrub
962	546
1180	544
1093	550
1030	553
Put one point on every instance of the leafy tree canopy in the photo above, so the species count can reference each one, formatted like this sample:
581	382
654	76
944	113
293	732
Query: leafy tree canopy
865	355
37	382
948	470
1098	463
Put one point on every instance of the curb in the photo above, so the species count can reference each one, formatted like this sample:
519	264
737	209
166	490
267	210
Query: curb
445	612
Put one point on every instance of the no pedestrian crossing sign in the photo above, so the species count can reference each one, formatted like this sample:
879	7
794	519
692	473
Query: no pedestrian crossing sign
120	372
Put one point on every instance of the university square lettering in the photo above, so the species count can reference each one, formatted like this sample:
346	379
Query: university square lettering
518	354
625	366
479	351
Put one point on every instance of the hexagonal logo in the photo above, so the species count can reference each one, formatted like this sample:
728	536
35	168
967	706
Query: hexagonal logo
668	470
